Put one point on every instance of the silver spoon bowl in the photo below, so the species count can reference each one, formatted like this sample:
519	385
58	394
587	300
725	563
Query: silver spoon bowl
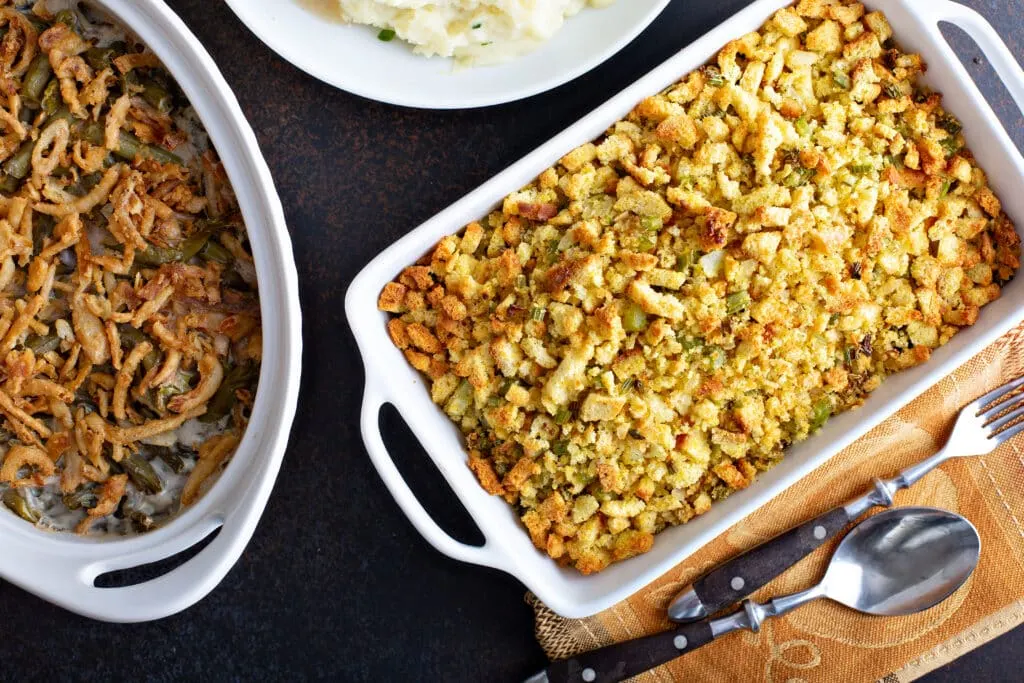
897	562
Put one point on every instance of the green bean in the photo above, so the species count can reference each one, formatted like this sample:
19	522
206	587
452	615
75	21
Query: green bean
130	336
52	99
9	184
233	280
42	228
38	75
41	344
736	302
213	251
184	252
157	96
20	164
84	497
170	458
142	473
130	147
139	519
100	58
19	506
633	318
68	18
150	360
220	405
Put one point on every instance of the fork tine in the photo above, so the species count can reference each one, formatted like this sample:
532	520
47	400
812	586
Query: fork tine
1008	404
1007	434
996	425
991	396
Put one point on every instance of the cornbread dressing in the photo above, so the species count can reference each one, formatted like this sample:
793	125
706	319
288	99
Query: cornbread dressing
648	324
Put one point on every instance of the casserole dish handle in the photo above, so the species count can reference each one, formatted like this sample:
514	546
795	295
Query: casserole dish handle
70	582
486	555
978	28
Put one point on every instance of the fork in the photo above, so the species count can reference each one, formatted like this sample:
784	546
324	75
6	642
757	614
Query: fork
981	426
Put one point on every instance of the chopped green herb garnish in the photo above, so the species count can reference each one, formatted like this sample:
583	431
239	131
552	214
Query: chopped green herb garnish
798	176
562	416
537	313
861	169
714	76
802	126
821	411
736	302
651	223
387	35
691	343
951	145
892	90
645	243
716	356
633	318
477	25
841	79
948	123
946	184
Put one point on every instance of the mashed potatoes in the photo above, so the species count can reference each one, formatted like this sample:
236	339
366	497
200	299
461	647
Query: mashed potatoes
472	31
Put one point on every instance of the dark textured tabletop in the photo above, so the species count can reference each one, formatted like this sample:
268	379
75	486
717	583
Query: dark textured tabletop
336	583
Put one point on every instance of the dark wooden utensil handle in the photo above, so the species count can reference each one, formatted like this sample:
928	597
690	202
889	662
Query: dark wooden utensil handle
623	660
734	580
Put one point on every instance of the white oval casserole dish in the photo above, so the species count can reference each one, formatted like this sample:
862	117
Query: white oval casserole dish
62	568
390	379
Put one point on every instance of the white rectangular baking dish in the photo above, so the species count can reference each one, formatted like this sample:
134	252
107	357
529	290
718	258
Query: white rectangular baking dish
390	379
62	568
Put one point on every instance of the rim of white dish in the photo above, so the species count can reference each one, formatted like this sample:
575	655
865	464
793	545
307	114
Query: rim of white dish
245	11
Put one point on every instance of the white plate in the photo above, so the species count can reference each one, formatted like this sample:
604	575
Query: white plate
390	379
354	59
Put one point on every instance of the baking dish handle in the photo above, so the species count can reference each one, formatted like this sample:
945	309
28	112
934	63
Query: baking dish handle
70	582
486	555
978	28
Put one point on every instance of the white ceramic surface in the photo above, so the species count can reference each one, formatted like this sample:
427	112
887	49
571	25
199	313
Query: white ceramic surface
391	380
353	59
61	568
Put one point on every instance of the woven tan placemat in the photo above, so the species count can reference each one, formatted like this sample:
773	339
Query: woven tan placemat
826	642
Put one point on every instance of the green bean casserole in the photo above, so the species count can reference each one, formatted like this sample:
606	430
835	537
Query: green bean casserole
129	319
648	324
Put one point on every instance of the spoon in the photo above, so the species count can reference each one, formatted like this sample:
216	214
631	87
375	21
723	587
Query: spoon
898	562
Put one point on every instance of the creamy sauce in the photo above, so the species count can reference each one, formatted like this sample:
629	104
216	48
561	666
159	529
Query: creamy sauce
160	507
